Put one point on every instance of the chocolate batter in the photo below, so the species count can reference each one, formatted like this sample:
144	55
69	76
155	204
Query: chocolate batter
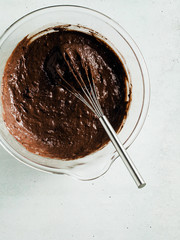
38	110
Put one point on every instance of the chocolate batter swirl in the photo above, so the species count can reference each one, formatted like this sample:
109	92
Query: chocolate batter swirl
38	110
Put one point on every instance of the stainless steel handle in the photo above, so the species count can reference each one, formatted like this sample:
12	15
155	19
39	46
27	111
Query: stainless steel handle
122	152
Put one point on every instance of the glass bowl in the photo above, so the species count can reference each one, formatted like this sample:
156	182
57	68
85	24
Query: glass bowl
83	19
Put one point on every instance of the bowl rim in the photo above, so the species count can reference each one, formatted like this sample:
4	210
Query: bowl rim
142	65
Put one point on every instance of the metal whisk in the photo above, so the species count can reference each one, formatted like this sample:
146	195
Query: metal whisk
88	96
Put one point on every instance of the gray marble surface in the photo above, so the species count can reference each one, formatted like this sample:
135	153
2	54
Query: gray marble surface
40	206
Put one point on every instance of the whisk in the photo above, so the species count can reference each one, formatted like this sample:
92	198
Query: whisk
88	95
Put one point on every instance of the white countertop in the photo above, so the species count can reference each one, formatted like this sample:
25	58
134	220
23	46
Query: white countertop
40	206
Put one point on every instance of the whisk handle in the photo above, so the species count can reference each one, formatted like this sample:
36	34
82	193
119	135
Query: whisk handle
122	152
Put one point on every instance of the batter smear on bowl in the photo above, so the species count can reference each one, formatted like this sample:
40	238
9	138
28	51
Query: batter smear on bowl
38	110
